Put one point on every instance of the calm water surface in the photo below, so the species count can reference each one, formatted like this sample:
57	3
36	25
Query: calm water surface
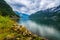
46	31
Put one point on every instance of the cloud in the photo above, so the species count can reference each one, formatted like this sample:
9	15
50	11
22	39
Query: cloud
31	6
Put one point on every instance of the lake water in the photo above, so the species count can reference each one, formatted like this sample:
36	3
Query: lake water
46	31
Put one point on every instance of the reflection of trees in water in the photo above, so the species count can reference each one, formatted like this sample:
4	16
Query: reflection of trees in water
47	22
36	27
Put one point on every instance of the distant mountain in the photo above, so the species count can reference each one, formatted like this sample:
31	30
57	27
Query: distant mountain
22	15
5	9
49	16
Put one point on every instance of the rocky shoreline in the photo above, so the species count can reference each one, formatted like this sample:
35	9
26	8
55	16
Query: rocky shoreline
19	32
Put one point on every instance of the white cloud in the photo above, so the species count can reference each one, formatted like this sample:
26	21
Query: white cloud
48	4
31	6
51	5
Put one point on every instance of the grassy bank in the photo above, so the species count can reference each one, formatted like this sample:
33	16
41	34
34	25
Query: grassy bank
5	25
9	30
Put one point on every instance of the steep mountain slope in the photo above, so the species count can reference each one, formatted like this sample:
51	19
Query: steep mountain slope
5	9
48	16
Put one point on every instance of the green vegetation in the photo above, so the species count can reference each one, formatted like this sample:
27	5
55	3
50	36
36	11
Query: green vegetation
5	9
5	24
5	21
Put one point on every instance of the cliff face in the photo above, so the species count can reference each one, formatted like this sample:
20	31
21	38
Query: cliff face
5	9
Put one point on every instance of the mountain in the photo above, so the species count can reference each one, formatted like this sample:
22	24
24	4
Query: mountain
5	9
49	16
22	15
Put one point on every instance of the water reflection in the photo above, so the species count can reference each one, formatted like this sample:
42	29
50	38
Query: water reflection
43	30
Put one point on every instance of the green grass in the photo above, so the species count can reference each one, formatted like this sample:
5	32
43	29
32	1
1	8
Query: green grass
5	25
5	22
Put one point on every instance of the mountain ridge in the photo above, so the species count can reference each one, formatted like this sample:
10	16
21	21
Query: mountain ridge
5	9
48	16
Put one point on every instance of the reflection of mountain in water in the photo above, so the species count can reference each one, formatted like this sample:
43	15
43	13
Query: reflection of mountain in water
43	30
47	17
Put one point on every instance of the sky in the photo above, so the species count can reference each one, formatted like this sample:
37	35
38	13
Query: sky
31	6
